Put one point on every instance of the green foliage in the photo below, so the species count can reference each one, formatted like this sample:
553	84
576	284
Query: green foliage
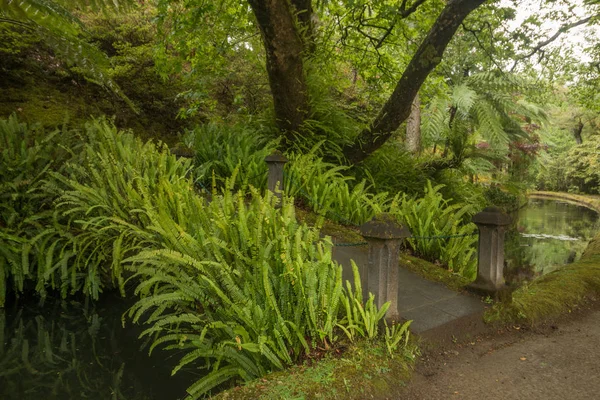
65	225
393	168
583	167
329	191
54	23
397	336
480	107
237	284
360	320
234	152
503	199
101	198
28	154
242	289
431	216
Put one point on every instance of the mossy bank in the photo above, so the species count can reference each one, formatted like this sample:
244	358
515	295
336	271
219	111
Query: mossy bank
560	291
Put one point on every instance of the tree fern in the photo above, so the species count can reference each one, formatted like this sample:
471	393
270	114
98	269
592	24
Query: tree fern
482	107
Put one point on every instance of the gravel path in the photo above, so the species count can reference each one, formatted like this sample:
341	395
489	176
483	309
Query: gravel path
558	362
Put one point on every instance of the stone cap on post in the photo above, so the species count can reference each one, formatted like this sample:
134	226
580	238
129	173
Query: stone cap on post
492	216
276	157
384	226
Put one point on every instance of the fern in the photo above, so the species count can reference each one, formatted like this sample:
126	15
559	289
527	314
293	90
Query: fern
439	230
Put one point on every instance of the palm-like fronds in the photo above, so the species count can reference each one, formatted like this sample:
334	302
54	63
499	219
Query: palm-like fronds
482	107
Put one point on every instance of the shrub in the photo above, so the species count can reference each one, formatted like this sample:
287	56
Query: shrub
582	167
330	193
64	224
101	198
505	200
439	231
219	150
27	155
393	169
236	283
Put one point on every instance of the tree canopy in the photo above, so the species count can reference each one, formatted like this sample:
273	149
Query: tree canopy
382	51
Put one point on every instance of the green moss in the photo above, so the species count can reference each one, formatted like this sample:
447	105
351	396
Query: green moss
433	272
43	103
40	88
364	370
339	233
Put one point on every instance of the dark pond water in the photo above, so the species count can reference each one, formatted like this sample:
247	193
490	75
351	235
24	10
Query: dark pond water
69	350
547	234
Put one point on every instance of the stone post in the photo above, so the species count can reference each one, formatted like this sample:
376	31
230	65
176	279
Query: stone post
276	162
490	260
380	276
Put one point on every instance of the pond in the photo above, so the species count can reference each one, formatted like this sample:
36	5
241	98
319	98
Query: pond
545	235
72	350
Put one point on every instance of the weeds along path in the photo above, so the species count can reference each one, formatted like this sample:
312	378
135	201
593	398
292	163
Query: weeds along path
563	362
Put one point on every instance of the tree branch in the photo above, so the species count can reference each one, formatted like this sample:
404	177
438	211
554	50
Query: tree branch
426	58
485	50
551	39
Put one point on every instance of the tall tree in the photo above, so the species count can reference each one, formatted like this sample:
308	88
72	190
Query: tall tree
286	48
285	51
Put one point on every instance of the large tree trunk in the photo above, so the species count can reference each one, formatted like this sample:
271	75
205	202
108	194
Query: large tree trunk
413	127
284	50
428	56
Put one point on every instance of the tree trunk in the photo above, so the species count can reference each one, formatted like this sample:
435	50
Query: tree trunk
577	132
428	56
284	51
413	127
304	13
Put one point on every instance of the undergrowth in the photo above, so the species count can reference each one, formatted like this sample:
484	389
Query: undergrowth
236	284
439	230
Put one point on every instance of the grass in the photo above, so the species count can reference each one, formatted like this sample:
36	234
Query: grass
363	370
554	294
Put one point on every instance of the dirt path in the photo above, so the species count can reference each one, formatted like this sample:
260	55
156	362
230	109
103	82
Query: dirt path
559	362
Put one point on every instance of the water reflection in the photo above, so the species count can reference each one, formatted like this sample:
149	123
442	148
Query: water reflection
545	235
70	350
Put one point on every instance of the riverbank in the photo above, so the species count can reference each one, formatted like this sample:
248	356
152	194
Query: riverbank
591	202
560	291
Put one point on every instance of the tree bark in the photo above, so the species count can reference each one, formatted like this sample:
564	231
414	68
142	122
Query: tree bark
577	132
413	127
427	57
284	50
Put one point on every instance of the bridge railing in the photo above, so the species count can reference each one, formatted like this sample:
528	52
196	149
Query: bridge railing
384	236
